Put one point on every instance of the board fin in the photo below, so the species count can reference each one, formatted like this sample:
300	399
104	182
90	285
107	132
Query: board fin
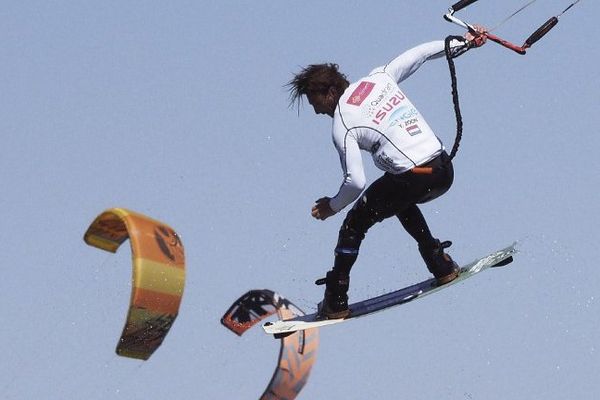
504	262
283	334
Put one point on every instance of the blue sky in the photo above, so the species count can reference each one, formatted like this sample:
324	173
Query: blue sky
179	112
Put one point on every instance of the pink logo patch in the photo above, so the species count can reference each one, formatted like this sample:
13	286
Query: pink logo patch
360	93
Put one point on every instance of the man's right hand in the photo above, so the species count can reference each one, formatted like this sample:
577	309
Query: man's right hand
321	210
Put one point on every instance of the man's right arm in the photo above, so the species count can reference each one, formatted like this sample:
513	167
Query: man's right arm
354	175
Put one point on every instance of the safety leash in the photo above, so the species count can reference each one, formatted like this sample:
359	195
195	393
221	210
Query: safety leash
457	113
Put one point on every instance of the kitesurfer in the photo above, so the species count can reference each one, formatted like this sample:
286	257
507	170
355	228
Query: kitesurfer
374	115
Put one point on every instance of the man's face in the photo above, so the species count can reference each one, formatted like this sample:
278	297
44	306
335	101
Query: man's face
322	103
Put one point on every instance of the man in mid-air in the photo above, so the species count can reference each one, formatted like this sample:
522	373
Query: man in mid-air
374	115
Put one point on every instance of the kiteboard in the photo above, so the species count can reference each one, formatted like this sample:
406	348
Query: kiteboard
283	328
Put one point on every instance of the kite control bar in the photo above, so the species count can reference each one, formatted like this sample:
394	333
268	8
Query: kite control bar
535	36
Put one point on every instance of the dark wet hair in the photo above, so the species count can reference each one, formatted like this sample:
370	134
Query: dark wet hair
316	78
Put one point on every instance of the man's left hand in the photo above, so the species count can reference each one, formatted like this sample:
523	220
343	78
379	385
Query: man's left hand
477	38
322	210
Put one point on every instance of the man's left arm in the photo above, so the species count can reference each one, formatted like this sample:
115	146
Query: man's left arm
408	62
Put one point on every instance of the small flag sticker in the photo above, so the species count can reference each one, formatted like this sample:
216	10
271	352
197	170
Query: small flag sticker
413	130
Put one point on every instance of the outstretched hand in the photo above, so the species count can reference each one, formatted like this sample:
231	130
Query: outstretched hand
478	37
322	210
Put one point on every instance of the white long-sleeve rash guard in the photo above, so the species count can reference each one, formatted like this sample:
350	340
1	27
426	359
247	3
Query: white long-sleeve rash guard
374	115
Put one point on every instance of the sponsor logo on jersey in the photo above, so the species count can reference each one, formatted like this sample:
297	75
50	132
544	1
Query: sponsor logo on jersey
406	114
382	95
360	93
390	105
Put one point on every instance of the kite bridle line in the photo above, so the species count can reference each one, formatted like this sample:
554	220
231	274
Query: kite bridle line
534	37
